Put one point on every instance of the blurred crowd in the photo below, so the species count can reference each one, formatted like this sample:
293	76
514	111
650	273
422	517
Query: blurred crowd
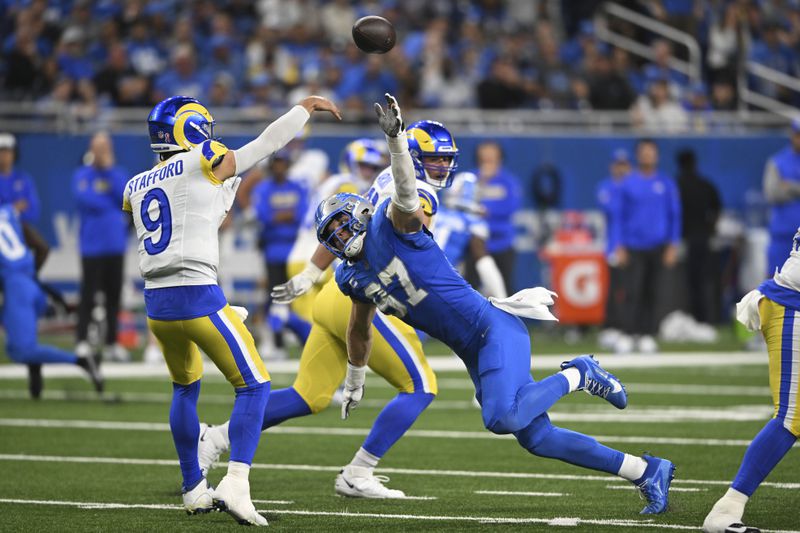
492	54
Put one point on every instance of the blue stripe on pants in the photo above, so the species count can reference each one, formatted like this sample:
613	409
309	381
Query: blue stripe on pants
238	356
400	350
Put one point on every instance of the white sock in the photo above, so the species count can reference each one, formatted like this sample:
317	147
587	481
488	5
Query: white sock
573	376
238	470
632	467
733	503
223	430
365	459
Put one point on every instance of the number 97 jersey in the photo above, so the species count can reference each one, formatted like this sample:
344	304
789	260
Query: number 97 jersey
177	208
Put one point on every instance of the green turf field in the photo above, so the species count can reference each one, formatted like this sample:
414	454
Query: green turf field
92	465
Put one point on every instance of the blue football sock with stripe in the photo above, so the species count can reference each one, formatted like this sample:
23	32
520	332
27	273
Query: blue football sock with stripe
283	405
185	426
766	451
546	440
394	420
244	428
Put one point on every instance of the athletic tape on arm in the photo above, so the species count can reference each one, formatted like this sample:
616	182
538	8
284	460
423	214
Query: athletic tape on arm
405	195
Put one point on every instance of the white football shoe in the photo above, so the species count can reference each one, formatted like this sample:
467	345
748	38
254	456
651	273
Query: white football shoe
232	495
200	499
360	482
211	445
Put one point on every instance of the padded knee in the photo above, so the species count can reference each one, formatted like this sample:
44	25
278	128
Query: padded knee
318	403
535	434
500	419
20	351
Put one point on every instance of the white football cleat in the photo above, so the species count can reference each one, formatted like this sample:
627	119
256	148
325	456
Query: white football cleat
200	499
233	496
360	482
210	446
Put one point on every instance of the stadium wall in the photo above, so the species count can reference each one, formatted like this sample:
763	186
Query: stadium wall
734	163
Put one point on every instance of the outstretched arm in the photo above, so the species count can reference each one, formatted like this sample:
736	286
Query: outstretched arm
405	212
359	345
273	138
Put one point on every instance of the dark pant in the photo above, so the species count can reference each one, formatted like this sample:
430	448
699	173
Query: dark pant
276	274
615	300
505	263
700	278
100	274
642	274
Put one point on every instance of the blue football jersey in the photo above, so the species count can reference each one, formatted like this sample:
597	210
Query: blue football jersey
15	256
408	275
453	231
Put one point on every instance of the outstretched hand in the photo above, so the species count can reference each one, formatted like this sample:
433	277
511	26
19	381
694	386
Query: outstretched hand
320	103
391	121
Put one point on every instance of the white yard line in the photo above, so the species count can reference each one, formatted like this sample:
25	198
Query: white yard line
556	521
516	493
401	471
439	363
671	489
355	432
632	415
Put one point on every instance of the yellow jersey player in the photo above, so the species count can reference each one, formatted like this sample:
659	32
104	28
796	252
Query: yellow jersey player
361	161
773	308
177	207
397	354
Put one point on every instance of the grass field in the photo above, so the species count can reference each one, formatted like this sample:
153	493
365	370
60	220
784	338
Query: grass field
73	463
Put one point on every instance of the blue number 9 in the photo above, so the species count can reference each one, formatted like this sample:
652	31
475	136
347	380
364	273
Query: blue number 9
163	221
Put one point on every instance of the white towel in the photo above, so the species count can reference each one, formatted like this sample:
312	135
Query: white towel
747	310
528	303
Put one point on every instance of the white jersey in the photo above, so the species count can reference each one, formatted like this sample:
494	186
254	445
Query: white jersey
306	241
383	188
789	275
177	208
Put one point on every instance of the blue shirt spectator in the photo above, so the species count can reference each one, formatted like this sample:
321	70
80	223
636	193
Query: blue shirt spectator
16	187
98	189
608	197
649	211
279	204
501	196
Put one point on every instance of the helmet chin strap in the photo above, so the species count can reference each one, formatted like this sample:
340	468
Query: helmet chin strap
354	247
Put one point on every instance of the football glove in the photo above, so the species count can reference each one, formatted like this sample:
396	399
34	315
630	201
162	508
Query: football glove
297	286
391	121
241	312
353	388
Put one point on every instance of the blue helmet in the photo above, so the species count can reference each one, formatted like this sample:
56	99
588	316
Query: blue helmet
179	123
352	212
427	138
362	151
464	194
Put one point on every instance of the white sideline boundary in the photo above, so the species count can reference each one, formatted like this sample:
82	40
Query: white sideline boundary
439	363
380	470
355	432
521	493
556	521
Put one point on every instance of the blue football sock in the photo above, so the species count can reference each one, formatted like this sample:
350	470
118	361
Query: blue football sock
394	420
185	426
766	451
546	440
244	429
41	353
283	405
299	326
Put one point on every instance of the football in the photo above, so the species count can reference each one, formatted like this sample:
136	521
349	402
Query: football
374	34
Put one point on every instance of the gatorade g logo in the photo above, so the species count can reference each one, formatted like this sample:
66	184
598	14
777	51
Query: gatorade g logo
580	283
